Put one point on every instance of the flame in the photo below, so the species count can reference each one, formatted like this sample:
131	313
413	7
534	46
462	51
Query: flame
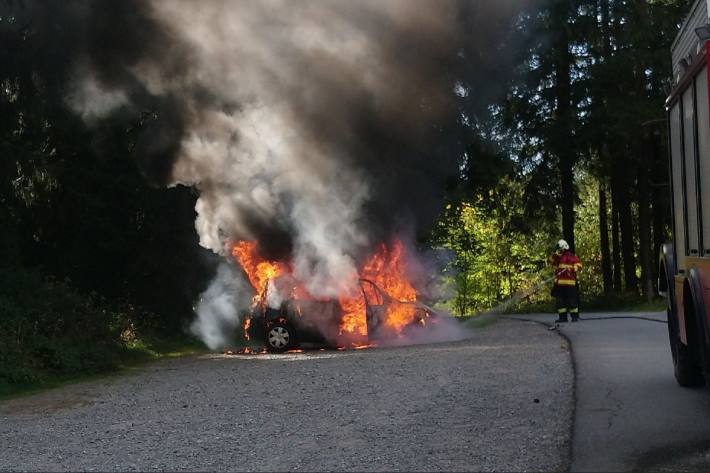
354	319
386	268
259	271
245	326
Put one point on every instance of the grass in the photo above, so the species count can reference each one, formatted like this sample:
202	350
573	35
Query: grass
622	303
166	348
135	354
478	320
594	303
613	303
51	382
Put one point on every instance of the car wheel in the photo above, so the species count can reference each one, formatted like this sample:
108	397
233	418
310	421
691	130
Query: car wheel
280	336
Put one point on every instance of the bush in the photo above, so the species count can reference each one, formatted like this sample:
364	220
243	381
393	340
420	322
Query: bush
48	329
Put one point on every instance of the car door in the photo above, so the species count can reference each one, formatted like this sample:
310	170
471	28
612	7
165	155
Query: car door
375	307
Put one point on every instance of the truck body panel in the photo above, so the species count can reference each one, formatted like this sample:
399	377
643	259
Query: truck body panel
688	117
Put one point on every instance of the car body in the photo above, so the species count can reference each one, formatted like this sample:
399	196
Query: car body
296	321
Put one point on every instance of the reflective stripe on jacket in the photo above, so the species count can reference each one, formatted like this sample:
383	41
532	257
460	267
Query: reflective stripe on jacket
566	266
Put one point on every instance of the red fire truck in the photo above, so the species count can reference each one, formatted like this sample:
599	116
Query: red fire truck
684	272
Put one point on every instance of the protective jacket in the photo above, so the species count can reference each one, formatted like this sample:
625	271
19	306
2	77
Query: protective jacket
566	266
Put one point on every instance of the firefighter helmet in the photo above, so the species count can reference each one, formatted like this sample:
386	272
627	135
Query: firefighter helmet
562	245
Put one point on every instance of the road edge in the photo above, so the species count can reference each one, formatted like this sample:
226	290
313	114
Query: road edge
573	411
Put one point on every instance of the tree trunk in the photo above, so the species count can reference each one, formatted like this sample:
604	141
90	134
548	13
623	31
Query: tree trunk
564	120
660	201
604	239
615	247
568	197
647	155
660	196
463	293
626	228
604	157
660	221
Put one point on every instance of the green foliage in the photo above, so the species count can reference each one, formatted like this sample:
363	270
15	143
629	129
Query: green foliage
498	257
587	236
587	90
48	328
49	332
496	252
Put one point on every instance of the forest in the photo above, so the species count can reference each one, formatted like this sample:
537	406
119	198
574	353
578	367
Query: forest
98	257
577	149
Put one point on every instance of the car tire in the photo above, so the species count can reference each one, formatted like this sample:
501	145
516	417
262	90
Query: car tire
280	336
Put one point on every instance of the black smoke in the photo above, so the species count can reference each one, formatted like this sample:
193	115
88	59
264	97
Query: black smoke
317	128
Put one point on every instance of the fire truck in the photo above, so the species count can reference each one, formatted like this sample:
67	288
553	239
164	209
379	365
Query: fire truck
684	265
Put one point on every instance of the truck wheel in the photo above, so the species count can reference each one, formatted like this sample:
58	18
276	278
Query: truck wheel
685	367
702	339
280	336
687	373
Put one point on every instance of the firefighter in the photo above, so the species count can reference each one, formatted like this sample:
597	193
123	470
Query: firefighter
565	289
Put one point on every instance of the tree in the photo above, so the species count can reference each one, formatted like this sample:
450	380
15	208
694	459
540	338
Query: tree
541	115
75	203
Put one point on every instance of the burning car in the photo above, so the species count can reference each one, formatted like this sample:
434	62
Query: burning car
298	321
379	305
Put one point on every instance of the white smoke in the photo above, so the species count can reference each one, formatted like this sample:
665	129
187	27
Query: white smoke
443	328
275	71
288	111
267	171
254	54
220	308
92	100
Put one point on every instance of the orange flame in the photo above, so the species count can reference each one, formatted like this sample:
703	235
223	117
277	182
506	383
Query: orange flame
362	347
354	320
386	268
245	326
259	271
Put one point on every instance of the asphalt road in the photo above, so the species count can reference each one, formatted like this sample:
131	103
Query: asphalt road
630	413
500	400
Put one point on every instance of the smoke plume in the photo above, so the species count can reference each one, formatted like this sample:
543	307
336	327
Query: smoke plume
314	127
317	127
220	306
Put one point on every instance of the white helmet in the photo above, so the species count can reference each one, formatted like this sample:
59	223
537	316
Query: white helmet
562	245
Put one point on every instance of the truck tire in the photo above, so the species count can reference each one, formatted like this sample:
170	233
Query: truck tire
702	336
685	368
691	357
687	372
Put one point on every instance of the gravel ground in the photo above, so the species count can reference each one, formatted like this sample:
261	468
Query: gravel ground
501	400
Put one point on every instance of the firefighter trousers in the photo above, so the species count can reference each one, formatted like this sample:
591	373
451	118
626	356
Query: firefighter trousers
567	301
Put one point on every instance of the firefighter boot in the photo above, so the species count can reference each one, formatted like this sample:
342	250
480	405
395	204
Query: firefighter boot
561	316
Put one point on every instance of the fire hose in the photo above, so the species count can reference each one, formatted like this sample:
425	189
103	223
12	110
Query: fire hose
518	296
